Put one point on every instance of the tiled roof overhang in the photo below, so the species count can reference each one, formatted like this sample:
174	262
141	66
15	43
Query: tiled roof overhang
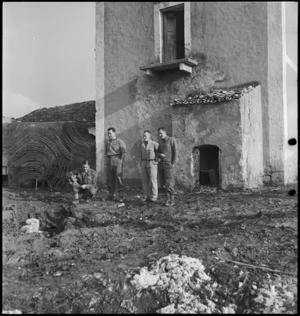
212	97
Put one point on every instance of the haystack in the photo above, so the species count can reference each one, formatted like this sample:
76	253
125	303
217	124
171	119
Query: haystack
44	151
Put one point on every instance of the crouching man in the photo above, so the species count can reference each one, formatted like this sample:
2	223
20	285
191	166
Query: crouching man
83	182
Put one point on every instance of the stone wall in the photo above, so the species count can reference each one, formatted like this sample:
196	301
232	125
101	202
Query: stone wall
252	135
216	124
291	164
132	101
277	114
234	126
232	37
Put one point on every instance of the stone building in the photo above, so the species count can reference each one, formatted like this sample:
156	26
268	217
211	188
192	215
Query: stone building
150	54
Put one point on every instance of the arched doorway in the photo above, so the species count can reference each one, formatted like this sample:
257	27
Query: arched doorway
209	165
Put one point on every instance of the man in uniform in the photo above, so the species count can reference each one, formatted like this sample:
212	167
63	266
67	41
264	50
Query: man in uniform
167	152
115	150
83	181
148	163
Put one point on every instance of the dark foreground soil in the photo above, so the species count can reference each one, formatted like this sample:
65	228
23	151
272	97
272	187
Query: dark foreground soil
86	257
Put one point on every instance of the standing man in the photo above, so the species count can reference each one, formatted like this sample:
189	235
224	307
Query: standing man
83	181
148	163
115	150
167	152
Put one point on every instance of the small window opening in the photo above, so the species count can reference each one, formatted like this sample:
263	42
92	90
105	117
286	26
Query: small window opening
173	33
209	165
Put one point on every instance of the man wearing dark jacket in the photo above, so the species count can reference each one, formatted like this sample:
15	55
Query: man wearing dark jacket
83	181
167	152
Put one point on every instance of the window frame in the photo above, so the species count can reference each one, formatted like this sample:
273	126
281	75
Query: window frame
159	10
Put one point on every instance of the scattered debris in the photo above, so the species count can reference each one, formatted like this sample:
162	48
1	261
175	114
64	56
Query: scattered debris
253	266
145	258
184	278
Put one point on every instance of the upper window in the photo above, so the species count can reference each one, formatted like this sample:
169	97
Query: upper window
172	38
173	33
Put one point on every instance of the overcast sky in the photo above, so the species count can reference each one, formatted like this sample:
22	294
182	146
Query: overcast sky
48	55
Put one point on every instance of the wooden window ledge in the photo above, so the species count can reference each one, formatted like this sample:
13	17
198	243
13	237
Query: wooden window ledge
184	64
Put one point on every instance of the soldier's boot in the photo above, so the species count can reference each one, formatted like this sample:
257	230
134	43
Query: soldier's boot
172	202
90	198
111	196
168	199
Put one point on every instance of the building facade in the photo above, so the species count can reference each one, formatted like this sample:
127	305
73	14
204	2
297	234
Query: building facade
149	54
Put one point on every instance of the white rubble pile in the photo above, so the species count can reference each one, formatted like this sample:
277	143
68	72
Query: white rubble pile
32	226
181	276
13	312
276	297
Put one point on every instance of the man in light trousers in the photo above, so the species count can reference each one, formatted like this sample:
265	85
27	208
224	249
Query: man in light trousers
148	164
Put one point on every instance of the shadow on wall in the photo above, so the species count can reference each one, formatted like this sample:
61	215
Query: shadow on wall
120	98
144	103
141	104
168	84
141	87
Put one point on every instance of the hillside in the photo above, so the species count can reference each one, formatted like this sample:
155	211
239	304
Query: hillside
80	112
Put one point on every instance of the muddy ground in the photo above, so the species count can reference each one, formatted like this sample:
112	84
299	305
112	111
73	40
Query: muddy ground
87	255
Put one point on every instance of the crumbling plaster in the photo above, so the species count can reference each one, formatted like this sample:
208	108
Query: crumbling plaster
133	101
235	127
213	124
275	161
234	38
251	126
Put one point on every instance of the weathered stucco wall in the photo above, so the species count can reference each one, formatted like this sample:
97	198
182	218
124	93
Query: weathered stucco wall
251	131
216	124
290	23
126	109
133	101
100	79
233	37
291	164
275	162
235	127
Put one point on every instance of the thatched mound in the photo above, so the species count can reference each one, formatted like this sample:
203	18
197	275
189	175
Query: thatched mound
79	112
45	151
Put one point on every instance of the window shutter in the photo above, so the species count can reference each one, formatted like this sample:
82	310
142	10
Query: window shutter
169	36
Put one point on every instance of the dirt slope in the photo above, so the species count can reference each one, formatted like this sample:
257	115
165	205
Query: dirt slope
88	256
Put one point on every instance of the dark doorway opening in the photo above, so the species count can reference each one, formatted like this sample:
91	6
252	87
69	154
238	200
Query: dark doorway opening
32	183
209	165
4	179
